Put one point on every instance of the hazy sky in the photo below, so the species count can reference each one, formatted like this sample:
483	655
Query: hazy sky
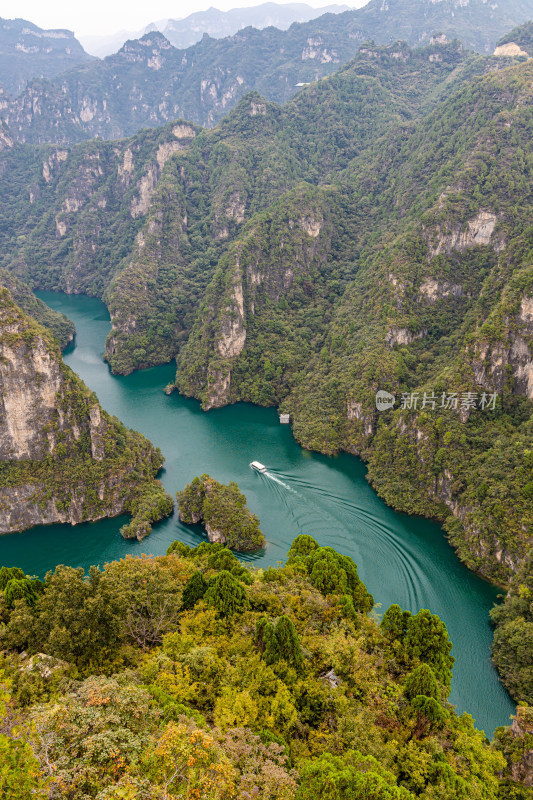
105	16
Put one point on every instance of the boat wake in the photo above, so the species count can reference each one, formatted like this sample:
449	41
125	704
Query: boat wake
275	478
349	526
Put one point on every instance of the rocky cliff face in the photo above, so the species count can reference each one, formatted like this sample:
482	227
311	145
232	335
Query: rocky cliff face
62	459
516	743
27	51
274	260
508	363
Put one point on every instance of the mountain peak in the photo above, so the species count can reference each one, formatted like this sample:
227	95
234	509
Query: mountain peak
27	51
148	50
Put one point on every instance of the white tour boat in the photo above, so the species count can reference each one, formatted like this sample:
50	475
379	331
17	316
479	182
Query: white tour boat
258	466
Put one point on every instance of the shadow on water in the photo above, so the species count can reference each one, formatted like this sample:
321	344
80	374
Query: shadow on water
402	559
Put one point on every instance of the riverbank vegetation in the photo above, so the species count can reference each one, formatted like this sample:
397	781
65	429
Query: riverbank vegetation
189	675
223	511
513	640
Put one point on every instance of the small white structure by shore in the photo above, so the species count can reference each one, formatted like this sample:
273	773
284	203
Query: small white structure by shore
284	419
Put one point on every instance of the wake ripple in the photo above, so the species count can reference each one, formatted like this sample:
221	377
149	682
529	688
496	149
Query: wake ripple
342	523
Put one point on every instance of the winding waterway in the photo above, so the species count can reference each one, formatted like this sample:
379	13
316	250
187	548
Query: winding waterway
402	559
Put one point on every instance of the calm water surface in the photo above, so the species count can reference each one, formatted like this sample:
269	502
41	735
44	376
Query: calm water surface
402	559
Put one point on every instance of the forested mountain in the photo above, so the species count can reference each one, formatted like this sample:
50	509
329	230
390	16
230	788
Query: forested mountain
150	82
27	52
374	233
103	216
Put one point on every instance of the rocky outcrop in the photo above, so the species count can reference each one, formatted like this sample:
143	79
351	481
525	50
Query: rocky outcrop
6	140
232	334
522	732
431	290
145	189
516	744
62	458
33	503
477	231
494	362
400	336
214	535
510	49
356	412
218	387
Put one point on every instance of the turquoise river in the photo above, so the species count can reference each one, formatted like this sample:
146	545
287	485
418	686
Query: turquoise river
402	559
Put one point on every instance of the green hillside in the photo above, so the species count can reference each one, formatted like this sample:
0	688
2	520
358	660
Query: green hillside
189	675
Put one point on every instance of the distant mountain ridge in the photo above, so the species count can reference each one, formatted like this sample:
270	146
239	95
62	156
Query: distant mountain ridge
27	52
149	82
183	33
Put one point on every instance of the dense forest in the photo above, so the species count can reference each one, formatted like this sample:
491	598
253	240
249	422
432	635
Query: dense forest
191	676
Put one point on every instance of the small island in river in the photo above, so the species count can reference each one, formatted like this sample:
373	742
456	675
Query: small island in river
223	511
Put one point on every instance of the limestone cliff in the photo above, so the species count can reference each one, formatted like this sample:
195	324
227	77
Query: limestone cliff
62	458
516	743
507	361
274	265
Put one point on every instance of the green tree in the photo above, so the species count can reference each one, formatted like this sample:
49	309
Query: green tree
331	572
303	545
76	619
429	710
9	573
394	622
283	643
421	681
426	638
226	595
194	590
22	589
